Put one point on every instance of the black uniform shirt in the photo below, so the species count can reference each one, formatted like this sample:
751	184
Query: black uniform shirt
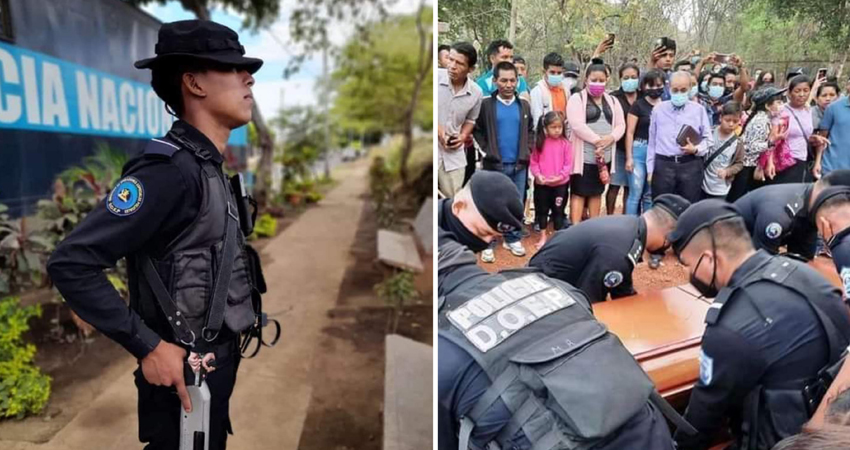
596	256
767	334
462	381
840	248
776	216
171	198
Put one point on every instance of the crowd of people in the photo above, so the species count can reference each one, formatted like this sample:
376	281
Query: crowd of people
700	127
744	178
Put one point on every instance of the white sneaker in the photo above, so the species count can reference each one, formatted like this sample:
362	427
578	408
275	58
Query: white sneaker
516	248
488	256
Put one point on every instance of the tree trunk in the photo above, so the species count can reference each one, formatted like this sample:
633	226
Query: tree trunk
512	31
199	7
425	46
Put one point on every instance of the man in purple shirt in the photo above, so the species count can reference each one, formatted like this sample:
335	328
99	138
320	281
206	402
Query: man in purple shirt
673	168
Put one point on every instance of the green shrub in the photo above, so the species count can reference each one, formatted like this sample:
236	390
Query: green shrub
380	184
396	291
266	226
23	388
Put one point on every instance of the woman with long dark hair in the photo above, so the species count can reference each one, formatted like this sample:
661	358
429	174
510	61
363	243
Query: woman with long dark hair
637	141
801	139
597	123
627	95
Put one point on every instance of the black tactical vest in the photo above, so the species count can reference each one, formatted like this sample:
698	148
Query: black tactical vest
539	344
774	412
179	285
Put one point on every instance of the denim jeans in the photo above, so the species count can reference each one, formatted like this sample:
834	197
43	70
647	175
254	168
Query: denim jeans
519	175
640	193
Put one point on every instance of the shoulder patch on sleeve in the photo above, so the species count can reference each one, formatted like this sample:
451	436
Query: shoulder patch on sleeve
612	279
845	280
773	230
706	368
126	197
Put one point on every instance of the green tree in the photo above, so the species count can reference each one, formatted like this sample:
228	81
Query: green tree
385	83
304	137
832	17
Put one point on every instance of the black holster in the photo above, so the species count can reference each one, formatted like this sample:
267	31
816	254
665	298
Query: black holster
244	202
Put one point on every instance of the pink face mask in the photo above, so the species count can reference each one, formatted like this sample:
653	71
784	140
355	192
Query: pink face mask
596	89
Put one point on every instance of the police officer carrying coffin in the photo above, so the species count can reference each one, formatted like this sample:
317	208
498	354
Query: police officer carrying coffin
778	215
598	256
774	323
174	217
481	211
831	212
522	363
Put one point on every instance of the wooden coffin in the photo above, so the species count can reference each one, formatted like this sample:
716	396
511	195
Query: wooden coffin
663	330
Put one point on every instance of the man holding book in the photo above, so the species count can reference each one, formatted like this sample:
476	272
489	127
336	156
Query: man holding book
679	135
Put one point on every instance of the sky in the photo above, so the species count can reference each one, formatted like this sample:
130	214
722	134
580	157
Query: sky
271	91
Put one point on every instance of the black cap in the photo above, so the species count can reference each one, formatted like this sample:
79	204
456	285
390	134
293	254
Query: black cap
672	203
837	178
571	68
497	199
827	194
698	216
766	93
201	39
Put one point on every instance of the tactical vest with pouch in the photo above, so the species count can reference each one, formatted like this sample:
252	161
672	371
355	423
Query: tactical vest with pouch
774	411
568	382
203	278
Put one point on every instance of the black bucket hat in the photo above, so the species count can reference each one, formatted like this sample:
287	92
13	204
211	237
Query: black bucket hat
766	93
200	39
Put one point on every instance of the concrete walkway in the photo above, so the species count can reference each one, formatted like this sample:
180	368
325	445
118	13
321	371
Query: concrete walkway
304	270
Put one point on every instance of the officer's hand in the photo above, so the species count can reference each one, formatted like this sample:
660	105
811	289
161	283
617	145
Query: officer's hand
164	367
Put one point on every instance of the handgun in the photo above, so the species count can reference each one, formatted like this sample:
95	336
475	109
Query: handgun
195	426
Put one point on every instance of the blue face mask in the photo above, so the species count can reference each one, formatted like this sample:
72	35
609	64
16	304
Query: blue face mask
704	86
693	93
679	99
554	80
630	85
716	92
695	61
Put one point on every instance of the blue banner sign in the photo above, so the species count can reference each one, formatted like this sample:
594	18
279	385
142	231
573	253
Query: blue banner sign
42	93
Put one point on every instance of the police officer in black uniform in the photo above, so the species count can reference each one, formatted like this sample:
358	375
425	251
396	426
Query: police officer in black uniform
173	216
599	255
482	211
831	212
774	323
484	394
778	215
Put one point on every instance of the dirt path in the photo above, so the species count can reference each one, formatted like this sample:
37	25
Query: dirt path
346	409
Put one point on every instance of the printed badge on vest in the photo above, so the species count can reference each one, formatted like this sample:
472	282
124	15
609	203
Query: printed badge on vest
490	318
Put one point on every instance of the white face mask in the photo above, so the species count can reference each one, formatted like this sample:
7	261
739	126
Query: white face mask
569	83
